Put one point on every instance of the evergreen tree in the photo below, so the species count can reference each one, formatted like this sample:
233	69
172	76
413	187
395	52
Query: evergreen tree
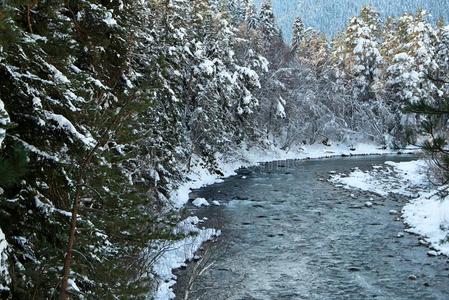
360	56
297	34
434	125
441	75
267	23
410	55
315	49
251	19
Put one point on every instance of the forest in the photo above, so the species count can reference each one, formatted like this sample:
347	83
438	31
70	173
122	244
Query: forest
106	105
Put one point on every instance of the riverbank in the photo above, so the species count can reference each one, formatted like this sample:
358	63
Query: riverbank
176	254
427	212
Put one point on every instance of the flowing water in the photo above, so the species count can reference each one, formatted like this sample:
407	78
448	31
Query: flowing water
287	234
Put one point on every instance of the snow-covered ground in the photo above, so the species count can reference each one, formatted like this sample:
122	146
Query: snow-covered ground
396	178
427	213
176	253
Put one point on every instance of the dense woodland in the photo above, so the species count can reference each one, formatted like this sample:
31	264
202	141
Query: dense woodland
331	16
105	105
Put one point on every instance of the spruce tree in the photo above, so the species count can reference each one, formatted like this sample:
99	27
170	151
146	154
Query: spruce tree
297	34
410	55
360	56
251	18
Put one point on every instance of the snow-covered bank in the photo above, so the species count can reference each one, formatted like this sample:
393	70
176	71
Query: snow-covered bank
427	214
175	254
392	178
178	252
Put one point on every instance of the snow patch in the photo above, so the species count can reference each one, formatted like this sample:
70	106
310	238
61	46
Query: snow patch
198	202
395	178
66	125
109	19
428	216
58	77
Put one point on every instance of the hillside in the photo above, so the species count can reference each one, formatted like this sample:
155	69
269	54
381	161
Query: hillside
331	16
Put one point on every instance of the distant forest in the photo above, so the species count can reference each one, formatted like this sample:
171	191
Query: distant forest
332	16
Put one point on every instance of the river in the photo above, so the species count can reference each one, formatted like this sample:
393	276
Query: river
289	234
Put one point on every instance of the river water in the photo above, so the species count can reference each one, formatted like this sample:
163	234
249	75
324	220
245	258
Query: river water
287	234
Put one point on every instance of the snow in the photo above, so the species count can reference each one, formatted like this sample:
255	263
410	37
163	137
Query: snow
73	286
198	202
4	274
4	121
58	77
280	110
207	67
65	124
109	20
176	254
381	181
426	214
37	151
49	208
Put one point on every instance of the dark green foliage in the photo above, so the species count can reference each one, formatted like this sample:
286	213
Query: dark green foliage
434	125
14	167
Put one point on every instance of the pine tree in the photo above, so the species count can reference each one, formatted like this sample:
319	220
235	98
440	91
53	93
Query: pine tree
251	19
434	123
372	19
410	54
315	48
441	75
359	56
297	34
267	23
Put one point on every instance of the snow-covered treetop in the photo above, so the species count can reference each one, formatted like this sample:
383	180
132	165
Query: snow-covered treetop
267	20
298	33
